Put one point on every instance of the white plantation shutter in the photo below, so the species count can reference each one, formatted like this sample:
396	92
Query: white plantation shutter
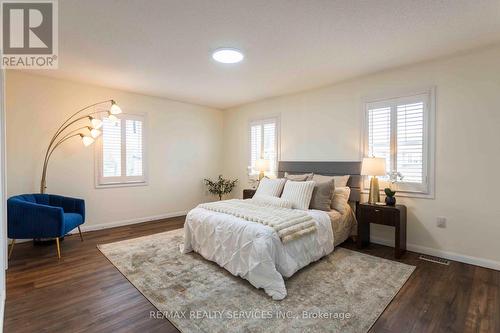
270	145
410	142
255	144
121	151
379	134
264	143
397	130
111	148
133	140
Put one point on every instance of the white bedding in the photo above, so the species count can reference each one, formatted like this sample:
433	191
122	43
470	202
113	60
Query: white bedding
254	251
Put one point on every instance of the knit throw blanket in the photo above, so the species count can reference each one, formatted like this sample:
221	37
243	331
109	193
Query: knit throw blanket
290	224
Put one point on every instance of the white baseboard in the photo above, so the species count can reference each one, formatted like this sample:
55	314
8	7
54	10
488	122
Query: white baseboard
443	254
100	226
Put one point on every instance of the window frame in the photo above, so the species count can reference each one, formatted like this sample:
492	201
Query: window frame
261	121
428	95
122	181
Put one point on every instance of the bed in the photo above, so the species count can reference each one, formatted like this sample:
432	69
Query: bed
255	252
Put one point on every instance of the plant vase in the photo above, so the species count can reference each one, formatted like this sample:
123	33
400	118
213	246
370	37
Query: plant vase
390	201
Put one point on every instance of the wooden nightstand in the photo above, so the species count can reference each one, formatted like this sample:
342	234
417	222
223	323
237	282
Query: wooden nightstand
248	193
387	215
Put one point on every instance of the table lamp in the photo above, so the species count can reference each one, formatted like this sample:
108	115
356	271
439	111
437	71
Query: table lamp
373	166
262	165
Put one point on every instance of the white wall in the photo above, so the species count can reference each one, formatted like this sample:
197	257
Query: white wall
325	125
183	144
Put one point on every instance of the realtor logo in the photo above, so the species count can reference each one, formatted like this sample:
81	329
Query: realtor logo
29	34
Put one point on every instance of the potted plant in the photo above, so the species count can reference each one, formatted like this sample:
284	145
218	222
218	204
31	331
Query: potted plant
221	186
390	199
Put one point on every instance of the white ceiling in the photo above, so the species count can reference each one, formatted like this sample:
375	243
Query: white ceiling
163	47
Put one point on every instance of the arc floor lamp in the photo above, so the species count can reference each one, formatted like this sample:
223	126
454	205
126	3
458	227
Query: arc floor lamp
67	130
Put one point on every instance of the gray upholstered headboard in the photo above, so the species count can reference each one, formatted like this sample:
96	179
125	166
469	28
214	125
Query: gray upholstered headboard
327	168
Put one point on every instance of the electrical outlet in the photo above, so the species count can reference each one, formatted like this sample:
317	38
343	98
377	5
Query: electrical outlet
441	222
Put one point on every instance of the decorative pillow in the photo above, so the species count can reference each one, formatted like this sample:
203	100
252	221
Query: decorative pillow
299	178
299	193
272	201
340	181
322	194
340	198
272	187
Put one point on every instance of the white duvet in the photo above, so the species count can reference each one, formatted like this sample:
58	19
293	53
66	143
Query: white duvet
254	251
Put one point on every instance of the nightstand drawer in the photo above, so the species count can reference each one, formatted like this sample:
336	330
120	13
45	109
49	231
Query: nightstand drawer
379	216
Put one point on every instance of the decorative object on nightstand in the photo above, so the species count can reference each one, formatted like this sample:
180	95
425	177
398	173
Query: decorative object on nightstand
248	193
390	199
262	166
386	215
220	186
373	166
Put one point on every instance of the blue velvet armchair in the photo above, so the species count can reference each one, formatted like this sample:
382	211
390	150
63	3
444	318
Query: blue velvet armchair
43	216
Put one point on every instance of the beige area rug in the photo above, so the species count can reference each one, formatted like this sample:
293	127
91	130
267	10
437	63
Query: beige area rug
345	291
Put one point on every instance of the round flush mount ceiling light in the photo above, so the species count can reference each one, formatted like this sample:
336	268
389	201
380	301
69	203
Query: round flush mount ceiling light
228	55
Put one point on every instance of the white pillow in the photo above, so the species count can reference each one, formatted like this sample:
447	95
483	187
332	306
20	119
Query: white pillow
271	187
268	200
340	198
299	193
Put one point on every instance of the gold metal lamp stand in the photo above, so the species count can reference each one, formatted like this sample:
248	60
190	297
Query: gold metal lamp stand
374	195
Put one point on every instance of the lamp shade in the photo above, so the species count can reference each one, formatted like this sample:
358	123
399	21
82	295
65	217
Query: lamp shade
262	165
115	109
96	123
87	140
113	118
373	166
95	133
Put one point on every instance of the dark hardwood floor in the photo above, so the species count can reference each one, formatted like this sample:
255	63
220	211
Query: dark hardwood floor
83	292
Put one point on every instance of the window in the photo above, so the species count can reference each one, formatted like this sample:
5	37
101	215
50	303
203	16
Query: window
121	153
264	143
401	131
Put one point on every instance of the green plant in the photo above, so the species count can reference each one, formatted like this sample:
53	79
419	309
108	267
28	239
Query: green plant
390	193
221	186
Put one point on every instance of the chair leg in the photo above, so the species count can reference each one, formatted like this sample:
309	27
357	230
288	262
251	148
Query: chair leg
11	247
80	231
58	248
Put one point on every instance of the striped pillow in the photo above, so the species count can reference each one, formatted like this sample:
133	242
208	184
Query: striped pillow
298	193
272	187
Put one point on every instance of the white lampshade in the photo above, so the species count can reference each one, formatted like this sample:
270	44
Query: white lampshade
95	133
87	140
115	109
96	123
113	118
262	165
373	166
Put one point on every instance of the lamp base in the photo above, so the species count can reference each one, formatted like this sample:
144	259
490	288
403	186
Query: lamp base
261	175
374	195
